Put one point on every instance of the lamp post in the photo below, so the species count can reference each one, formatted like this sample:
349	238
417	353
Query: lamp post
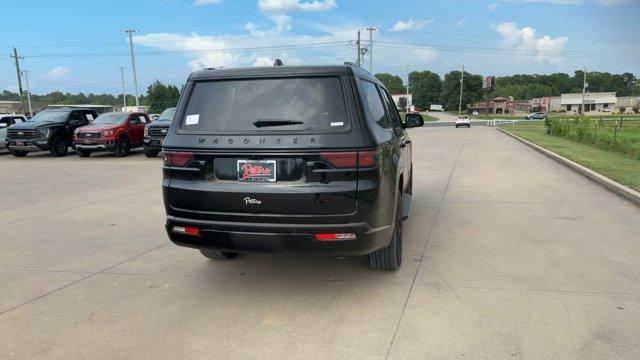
408	103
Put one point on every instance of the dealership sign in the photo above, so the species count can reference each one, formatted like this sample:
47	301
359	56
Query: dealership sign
487	83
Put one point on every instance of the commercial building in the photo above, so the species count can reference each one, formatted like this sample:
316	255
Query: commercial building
545	104
10	107
98	108
627	104
593	102
501	105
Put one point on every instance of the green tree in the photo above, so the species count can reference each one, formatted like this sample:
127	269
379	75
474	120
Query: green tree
393	83
450	94
425	87
160	96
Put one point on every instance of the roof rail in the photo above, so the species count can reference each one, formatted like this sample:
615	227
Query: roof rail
278	62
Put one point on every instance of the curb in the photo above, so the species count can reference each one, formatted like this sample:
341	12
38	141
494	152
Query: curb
615	187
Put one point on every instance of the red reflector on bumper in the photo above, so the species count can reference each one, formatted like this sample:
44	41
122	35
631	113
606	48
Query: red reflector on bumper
186	230
335	237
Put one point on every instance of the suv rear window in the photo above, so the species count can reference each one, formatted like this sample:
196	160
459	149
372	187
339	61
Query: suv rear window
302	105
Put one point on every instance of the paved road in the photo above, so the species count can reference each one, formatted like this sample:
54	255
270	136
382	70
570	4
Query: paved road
443	116
508	255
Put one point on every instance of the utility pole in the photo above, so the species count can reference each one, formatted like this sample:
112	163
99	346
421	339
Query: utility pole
461	87
358	44
371	30
17	61
26	78
133	65
124	94
584	89
408	105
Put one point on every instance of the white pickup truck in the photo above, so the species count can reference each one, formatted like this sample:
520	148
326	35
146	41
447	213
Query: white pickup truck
7	120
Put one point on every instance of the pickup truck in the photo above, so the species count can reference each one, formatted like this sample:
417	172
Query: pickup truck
50	130
117	132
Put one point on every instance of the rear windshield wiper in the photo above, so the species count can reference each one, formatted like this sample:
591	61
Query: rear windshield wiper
265	123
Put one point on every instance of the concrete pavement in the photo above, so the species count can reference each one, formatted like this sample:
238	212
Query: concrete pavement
507	255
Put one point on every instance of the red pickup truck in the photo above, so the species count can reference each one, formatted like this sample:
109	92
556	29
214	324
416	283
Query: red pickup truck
118	132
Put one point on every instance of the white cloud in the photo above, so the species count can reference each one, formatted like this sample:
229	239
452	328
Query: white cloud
263	61
410	25
546	48
493	6
285	6
461	22
57	73
194	44
206	2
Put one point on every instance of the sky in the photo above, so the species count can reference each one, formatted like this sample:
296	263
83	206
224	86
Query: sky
78	46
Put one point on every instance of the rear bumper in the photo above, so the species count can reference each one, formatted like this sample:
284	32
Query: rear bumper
242	236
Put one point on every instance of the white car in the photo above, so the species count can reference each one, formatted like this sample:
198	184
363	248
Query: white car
463	120
7	120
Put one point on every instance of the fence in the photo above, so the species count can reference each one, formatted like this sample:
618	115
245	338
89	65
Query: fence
616	133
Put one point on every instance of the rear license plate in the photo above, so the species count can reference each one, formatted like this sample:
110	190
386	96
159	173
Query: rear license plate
257	170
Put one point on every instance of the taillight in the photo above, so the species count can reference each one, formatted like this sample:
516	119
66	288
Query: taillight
350	159
367	158
177	158
186	230
335	236
341	159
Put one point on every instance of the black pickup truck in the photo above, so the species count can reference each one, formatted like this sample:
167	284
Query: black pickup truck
155	132
48	130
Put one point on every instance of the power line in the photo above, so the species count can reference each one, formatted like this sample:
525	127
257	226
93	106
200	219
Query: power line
508	51
202	51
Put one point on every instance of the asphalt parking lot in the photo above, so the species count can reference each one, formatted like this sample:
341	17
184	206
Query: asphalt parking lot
508	255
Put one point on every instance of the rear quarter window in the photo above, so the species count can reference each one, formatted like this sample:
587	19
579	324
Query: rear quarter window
373	104
280	105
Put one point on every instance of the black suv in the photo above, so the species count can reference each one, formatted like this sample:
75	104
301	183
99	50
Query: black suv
155	133
311	158
48	130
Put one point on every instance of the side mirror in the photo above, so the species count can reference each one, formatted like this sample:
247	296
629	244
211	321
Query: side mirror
413	120
3	125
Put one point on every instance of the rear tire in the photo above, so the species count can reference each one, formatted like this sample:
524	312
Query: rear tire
151	153
217	254
122	147
59	147
18	153
390	258
83	153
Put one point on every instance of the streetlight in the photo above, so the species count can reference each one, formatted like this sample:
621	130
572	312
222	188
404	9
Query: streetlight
408	105
26	78
124	94
133	64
